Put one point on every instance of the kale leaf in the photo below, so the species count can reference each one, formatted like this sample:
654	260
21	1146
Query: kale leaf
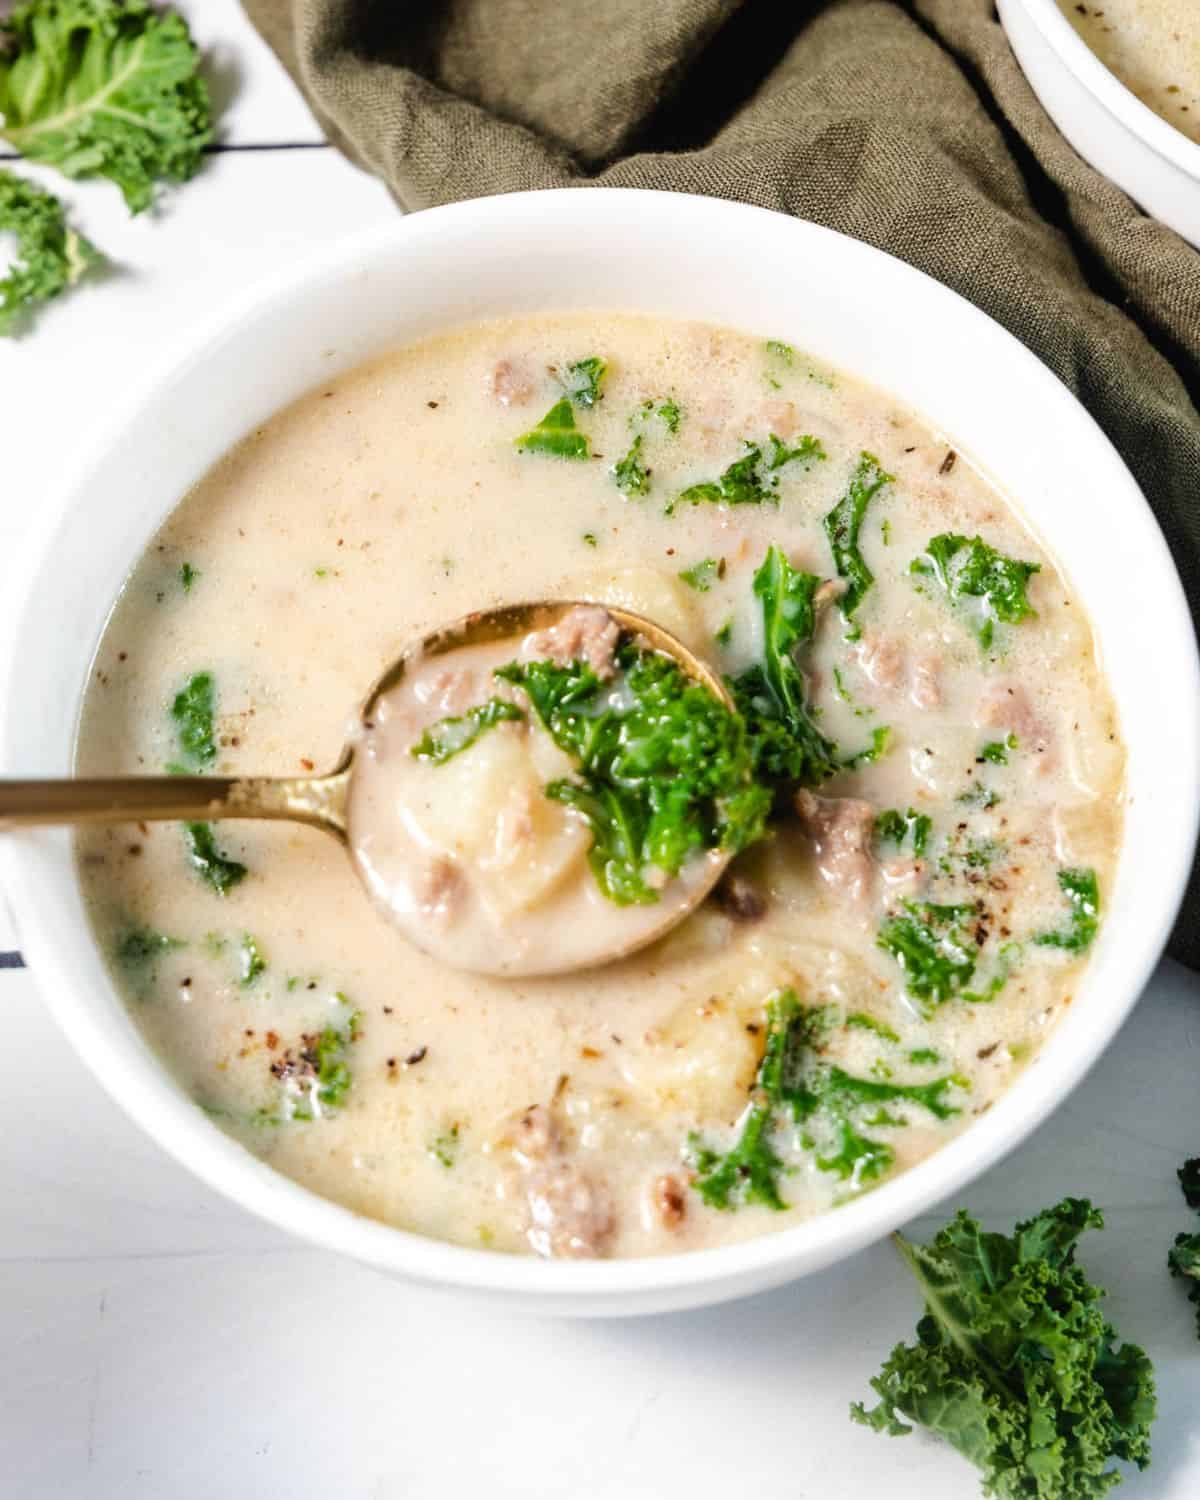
664	767
50	256
1083	895
894	827
843	524
932	947
194	710
104	88
139	946
667	411
630	474
786	744
324	1076
1183	1258
966	567
752	479
556	434
996	751
824	1101
445	739
584	379
217	870
703	574
1015	1365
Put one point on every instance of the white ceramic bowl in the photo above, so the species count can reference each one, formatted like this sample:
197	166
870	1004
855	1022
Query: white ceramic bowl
1108	125
685	257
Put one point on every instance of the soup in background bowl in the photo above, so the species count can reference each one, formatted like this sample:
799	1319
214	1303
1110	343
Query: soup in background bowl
542	265
1120	81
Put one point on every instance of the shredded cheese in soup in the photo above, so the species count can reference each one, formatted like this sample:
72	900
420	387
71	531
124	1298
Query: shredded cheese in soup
919	789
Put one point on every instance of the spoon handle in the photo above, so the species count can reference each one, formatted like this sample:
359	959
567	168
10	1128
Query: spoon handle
318	800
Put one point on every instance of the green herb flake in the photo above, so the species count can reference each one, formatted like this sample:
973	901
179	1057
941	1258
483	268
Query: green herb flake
996	751
967	567
783	353
444	1147
326	1078
702	576
630	474
104	88
556	434
188	576
1014	1365
448	737
194	711
252	963
842	527
217	871
50	256
924	1055
590	539
1082	891
724	635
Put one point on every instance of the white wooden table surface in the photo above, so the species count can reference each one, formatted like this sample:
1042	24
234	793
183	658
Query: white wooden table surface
159	1342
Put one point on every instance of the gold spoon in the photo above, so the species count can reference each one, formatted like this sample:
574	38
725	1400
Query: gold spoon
323	801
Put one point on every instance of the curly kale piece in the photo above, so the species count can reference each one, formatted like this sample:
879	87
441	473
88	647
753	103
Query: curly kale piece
1082	891
664	767
828	1106
1189	1182
894	827
194	709
1015	1365
932	946
842	527
584	379
772	696
104	88
450	736
50	256
749	1171
556	435
630	474
752	479
217	870
1183	1258
967	567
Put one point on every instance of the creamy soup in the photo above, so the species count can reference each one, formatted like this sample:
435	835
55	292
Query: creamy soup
923	782
1153	47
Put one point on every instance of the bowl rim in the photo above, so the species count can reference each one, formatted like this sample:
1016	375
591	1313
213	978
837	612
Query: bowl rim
1155	133
160	1108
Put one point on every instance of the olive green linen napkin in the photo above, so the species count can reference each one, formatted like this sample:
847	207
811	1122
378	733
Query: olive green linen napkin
909	126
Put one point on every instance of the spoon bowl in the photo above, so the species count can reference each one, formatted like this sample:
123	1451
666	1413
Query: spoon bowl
324	801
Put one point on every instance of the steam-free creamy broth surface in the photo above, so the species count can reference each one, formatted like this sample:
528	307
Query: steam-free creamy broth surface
925	739
1153	47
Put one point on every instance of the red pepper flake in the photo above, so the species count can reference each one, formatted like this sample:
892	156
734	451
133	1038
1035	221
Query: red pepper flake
307	764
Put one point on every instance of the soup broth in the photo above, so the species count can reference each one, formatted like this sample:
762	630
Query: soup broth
919	694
